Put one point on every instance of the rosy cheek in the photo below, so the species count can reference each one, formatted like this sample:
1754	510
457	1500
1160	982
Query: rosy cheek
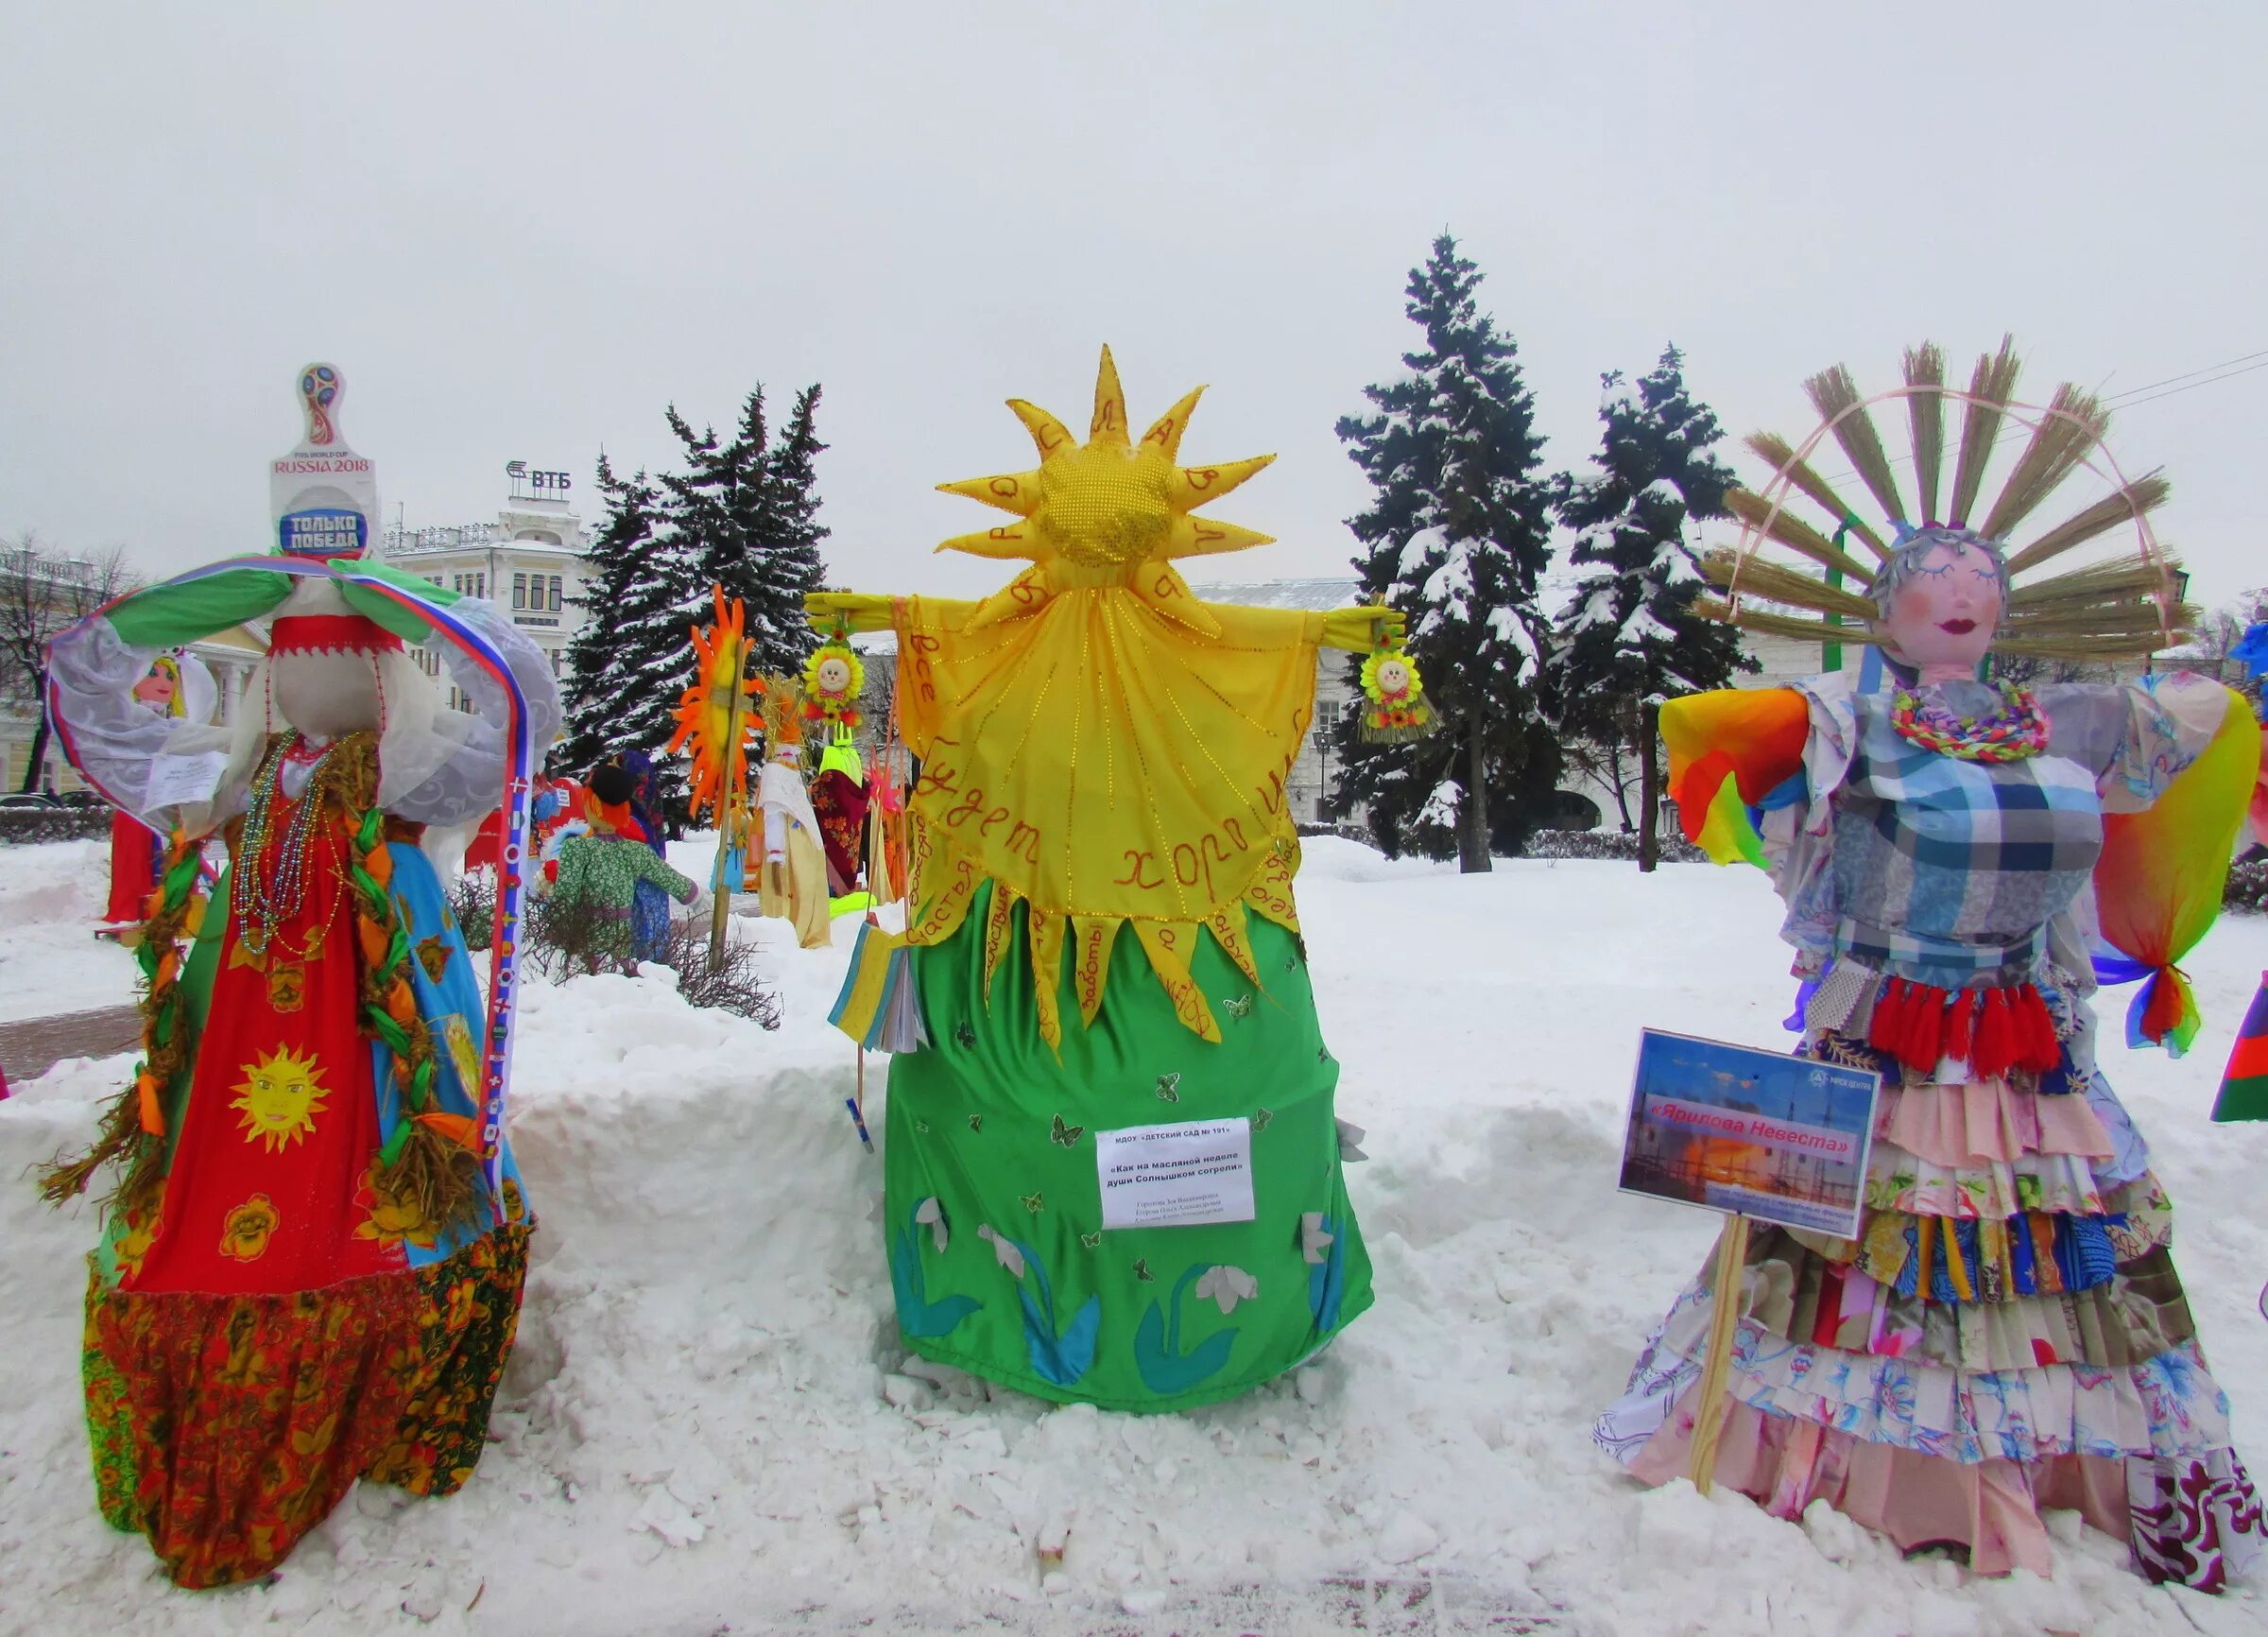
1911	604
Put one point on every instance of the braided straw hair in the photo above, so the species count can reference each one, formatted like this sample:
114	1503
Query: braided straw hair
133	1129
2121	605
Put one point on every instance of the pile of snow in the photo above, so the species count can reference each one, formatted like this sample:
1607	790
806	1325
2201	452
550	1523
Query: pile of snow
709	1426
52	897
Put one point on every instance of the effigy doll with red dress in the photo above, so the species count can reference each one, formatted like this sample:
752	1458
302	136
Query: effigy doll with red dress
179	688
310	1266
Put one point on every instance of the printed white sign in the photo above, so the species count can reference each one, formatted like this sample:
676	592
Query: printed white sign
178	779
1176	1176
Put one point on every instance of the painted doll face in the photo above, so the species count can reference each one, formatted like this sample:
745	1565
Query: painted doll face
1393	679
156	690
834	676
1941	620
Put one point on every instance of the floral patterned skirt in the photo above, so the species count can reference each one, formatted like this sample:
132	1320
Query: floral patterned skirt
2006	1335
227	1426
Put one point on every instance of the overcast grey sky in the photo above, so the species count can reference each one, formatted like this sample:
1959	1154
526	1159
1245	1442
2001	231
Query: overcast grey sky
522	231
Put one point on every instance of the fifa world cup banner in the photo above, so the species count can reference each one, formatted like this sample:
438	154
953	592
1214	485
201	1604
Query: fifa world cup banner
1782	1139
322	496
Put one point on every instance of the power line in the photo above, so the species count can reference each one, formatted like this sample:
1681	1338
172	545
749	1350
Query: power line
2171	379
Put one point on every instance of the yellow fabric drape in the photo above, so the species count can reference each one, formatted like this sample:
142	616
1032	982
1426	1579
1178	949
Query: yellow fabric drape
1106	757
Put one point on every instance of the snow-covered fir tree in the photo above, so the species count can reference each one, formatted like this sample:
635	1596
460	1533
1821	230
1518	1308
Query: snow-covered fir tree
634	657
1629	637
748	508
1456	534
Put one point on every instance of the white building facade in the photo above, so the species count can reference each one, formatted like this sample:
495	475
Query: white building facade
532	562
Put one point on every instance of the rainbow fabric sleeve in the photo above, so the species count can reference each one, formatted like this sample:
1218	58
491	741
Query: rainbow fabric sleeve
2158	881
1727	750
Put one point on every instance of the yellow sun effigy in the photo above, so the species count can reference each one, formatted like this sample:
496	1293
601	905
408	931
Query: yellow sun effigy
1107	748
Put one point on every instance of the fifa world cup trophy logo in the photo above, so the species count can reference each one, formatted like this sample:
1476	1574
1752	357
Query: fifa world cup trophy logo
320	387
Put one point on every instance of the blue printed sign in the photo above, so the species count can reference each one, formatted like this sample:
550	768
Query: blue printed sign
322	532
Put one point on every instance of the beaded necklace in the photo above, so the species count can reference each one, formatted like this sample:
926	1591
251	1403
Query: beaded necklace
2019	729
261	902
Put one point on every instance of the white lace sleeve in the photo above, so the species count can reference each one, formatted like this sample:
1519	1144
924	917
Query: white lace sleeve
111	736
458	776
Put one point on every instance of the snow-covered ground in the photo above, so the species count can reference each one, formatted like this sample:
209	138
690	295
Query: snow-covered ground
707	1427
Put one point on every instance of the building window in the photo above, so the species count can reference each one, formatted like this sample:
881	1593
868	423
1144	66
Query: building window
556	659
519	591
555	594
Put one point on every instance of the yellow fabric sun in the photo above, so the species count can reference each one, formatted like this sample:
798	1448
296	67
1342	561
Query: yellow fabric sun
279	1097
1094	513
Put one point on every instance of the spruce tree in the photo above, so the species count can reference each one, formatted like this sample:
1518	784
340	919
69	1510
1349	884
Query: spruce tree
748	508
621	550
644	603
1456	535
790	535
1629	637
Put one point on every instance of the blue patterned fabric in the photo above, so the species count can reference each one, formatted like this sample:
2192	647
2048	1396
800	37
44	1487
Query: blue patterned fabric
1945	870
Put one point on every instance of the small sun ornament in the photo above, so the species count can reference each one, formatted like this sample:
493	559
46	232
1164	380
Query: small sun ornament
279	1097
706	709
1108	512
834	677
1396	709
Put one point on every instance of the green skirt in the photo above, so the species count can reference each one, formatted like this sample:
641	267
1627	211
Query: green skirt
998	1254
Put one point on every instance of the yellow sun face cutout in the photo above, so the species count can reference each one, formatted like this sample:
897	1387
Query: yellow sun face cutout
279	1097
1111	502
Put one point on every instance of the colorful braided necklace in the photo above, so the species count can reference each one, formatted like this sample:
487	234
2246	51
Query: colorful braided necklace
262	900
2017	729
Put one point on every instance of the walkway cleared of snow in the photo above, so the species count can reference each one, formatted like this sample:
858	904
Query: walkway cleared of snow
709	1425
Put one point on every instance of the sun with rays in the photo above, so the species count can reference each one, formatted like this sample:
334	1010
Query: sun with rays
279	1097
1109	505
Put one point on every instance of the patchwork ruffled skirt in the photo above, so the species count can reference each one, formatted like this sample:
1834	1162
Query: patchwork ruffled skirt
2006	1336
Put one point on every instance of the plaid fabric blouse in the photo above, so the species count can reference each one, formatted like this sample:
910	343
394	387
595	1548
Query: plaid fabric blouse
1948	871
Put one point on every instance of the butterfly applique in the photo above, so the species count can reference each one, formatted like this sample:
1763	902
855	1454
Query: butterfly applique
1261	1119
977	1123
1169	1088
1067	1135
1091	1240
923	1126
1238	1006
1142	1271
1035	1203
966	1036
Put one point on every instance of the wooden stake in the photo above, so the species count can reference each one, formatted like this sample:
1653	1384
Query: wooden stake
1724	1313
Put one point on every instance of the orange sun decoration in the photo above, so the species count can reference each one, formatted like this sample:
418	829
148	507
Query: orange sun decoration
720	659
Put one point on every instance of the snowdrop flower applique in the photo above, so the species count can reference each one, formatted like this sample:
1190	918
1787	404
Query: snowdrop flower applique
1228	1286
931	1212
1314	1242
1010	1258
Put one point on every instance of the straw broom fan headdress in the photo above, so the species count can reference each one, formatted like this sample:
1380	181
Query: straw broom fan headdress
2119	606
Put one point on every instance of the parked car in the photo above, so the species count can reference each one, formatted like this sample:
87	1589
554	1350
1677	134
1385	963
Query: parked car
29	804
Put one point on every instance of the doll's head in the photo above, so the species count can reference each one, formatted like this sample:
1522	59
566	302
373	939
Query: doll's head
326	675
161	687
606	798
1941	597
